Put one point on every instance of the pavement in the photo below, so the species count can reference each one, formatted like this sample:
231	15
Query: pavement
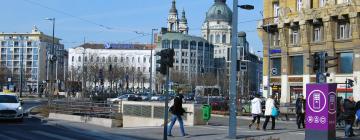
216	130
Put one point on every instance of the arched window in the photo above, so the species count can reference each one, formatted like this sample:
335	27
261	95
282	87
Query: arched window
109	59
72	59
91	59
211	38
103	59
219	12
224	39
97	59
217	39
115	60
79	58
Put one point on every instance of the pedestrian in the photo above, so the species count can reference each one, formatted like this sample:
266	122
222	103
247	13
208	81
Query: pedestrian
339	111
177	111
357	106
269	105
349	116
256	111
300	111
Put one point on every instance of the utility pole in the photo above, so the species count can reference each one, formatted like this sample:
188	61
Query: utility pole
51	59
151	61
233	75
21	69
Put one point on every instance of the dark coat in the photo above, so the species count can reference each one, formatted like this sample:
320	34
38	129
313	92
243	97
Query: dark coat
349	110
177	108
300	104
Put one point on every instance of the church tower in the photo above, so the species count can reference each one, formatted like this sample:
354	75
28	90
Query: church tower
173	21
183	25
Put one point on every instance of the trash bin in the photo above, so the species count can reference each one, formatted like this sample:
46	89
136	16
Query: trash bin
206	112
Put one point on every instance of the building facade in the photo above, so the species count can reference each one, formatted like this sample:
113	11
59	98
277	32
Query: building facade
295	29
28	52
111	66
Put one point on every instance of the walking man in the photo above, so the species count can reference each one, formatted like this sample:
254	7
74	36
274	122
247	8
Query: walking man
269	105
349	116
177	111
300	111
256	111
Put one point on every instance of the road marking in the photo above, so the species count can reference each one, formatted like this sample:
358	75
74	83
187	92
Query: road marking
52	135
6	137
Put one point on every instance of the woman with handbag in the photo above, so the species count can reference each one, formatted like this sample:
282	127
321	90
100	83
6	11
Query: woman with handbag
270	112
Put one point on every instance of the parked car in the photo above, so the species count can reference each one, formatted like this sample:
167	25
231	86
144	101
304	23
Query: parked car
11	107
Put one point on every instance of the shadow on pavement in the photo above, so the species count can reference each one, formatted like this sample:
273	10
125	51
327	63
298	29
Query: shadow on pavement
255	137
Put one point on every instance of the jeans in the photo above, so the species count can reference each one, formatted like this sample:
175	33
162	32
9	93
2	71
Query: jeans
267	119
300	120
348	128
181	123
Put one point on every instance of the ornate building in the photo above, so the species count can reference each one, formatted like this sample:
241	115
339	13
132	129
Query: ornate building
295	30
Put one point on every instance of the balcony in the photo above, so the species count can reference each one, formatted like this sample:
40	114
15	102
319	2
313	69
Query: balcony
270	21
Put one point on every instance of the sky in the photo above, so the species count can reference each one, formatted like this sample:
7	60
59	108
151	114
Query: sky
114	21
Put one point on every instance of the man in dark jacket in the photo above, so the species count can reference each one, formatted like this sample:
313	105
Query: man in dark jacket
300	111
357	106
349	116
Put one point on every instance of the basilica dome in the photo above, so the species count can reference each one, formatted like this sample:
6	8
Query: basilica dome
219	12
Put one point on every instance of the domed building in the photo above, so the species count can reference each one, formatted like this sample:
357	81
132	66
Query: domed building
217	26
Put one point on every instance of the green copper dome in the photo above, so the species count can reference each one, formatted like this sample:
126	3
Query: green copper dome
219	12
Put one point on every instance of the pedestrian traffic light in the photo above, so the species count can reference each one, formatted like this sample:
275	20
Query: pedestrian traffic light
161	63
327	59
316	61
350	82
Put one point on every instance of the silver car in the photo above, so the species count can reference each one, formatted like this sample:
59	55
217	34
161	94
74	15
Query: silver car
11	108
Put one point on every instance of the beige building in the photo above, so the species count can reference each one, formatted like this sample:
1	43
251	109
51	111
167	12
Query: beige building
28	51
295	30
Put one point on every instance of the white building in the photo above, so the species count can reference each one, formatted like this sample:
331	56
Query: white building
121	66
27	52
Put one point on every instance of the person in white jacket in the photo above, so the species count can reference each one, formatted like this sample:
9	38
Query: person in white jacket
269	105
256	111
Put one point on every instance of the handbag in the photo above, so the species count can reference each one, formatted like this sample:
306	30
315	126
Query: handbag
274	112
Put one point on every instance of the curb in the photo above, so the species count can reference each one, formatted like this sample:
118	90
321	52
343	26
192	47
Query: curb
291	120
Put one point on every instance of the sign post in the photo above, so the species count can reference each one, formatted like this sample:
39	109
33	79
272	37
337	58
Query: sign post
320	111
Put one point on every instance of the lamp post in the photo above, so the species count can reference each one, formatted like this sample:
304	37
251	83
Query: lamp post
151	61
51	60
232	94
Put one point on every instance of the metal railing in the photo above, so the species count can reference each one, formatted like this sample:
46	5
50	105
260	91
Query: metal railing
87	108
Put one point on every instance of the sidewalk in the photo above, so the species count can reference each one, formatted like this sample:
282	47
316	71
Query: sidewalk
206	132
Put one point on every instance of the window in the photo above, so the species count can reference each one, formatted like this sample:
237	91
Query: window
175	44
217	39
297	65
276	65
133	59
91	59
294	37
193	45
298	5
317	34
211	38
16	44
144	61
109	59
72	59
276	9
28	44
200	45
219	12
138	59
343	30
97	59
103	59
322	3
122	59
223	39
79	58
275	41
346	61
115	60
85	59
166	44
3	43
184	44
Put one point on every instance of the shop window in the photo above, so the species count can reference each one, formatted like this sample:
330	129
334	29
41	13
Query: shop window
345	63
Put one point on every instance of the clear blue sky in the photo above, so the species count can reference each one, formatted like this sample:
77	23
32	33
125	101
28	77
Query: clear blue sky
76	19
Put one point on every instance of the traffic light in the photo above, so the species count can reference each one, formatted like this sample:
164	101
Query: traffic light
316	65
162	62
350	82
327	59
170	57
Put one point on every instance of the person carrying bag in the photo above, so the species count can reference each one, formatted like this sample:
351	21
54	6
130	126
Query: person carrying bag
271	111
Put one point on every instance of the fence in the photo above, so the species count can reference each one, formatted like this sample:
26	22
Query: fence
87	108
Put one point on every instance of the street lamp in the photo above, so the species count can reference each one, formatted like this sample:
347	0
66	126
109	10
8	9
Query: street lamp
51	60
151	61
233	113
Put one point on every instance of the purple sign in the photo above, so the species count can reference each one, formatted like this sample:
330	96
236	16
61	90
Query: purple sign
321	107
